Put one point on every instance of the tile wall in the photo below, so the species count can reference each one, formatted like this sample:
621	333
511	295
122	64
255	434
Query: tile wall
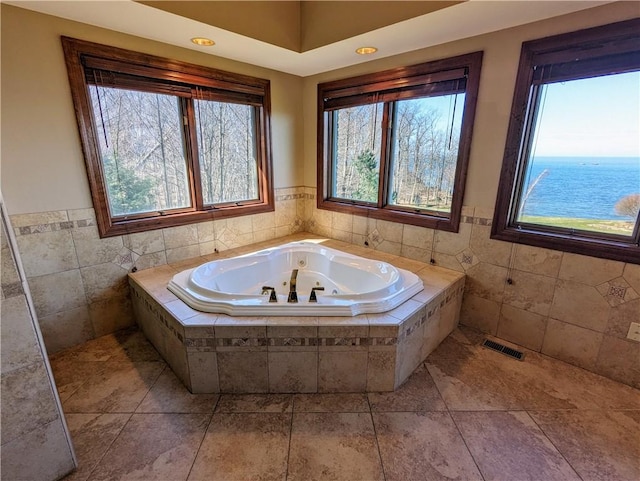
79	281
571	307
35	443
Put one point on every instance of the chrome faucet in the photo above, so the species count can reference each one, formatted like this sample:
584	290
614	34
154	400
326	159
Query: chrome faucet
293	296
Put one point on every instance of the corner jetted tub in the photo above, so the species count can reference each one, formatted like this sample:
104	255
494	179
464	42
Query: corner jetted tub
262	283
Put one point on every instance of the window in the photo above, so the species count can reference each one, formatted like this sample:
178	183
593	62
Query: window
571	171
394	145
168	143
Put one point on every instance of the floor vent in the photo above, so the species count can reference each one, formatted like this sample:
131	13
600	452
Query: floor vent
507	351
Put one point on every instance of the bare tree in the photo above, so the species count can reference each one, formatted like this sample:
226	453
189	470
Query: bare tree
628	206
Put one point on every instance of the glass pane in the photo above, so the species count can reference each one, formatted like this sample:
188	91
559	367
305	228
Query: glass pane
584	167
142	152
356	152
425	152
227	146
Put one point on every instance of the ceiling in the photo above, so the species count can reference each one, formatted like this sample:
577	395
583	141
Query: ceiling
300	25
305	37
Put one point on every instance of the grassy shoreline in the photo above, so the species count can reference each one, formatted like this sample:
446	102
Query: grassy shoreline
593	225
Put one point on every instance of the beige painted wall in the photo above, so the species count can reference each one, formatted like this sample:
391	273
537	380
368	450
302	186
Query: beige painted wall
500	62
42	162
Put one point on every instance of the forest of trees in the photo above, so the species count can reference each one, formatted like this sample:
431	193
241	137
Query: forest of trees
145	167
143	150
226	143
357	152
424	152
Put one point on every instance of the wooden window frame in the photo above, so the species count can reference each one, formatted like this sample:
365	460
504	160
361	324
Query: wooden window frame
150	73
607	49
386	86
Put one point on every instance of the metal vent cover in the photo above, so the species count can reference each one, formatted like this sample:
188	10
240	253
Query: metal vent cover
507	351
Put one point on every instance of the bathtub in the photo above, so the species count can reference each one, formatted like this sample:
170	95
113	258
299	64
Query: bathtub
346	285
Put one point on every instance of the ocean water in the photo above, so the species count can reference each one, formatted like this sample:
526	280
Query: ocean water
584	187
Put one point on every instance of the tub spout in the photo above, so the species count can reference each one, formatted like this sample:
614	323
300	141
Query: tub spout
293	295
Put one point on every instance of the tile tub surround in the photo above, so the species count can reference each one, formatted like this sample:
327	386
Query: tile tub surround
376	352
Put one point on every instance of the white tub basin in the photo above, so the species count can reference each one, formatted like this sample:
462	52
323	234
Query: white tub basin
352	285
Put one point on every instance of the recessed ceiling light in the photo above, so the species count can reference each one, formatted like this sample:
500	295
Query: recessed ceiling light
203	42
366	50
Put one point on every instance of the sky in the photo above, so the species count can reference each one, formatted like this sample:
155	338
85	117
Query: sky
596	117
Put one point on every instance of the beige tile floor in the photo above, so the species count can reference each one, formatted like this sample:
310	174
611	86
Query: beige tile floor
467	414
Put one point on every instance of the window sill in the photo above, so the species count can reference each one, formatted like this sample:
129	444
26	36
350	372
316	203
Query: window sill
449	224
616	250
112	227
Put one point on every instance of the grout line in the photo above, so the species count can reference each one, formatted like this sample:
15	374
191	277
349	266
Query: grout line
155	381
266	351
553	444
426	368
465	444
85	294
375	435
99	462
73	393
556	279
448	411
318	364
201	443
215	406
286	473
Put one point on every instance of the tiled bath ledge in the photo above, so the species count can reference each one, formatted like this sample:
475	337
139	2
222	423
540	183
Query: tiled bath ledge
374	352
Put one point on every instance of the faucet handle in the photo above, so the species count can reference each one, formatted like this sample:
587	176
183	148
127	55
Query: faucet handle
272	296
312	296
